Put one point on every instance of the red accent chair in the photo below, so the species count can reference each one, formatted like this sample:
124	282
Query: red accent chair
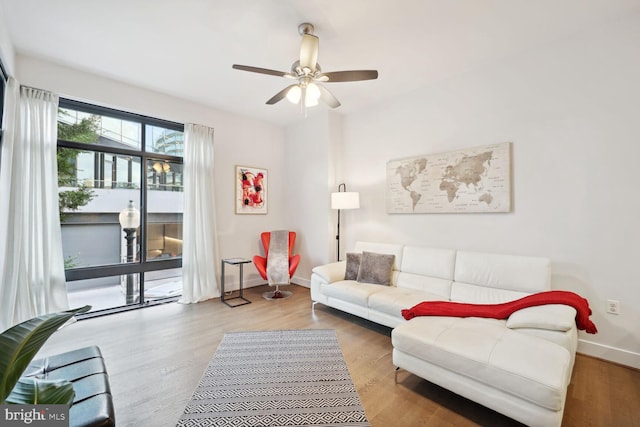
261	262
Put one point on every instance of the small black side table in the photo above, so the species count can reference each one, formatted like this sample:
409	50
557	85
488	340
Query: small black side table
240	262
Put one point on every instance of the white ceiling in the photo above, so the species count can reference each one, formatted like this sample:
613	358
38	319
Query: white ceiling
186	48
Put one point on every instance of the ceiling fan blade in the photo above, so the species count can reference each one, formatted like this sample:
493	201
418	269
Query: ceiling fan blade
327	97
280	95
309	51
261	70
348	76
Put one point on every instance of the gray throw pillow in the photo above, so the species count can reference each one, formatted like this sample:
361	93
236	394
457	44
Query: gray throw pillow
353	265
376	268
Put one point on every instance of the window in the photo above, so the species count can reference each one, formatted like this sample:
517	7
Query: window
107	159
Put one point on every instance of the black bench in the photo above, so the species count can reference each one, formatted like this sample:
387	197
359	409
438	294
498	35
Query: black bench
85	369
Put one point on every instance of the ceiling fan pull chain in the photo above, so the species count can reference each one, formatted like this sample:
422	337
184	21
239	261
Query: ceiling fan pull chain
303	100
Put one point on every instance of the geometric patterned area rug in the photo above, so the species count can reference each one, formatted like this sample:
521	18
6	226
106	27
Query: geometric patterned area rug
276	378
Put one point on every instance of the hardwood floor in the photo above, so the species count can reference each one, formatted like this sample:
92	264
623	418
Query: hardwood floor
156	356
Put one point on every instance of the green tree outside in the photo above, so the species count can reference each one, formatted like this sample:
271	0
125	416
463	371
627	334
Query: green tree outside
86	130
71	200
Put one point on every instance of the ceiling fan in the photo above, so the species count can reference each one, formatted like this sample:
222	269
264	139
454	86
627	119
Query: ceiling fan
308	90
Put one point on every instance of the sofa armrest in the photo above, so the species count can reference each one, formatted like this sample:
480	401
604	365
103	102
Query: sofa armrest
333	272
555	317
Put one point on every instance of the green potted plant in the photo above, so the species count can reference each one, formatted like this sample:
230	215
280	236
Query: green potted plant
18	345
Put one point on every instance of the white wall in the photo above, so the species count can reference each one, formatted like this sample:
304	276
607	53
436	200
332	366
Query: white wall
310	156
238	141
6	48
572	111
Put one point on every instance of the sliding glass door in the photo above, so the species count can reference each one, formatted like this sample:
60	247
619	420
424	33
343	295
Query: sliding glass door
121	197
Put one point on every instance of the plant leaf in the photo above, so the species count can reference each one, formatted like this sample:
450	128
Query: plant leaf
31	390
21	342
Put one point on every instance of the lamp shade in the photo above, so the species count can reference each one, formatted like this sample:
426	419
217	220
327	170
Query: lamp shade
129	217
312	95
293	94
345	200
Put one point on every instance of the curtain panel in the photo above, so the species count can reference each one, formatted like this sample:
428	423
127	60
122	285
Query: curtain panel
200	242
32	280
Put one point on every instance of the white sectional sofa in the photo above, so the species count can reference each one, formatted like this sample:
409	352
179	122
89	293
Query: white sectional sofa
520	366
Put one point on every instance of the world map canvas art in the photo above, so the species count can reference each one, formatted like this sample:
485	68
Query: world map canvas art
469	180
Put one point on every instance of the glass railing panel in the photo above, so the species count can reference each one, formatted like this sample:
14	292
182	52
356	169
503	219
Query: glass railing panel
79	126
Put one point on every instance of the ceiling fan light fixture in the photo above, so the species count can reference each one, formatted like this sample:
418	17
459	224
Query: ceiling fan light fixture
313	93
293	95
310	102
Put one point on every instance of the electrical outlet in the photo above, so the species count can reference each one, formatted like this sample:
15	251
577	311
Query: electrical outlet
613	306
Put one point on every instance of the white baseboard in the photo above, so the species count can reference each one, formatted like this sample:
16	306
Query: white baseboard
612	354
259	282
302	282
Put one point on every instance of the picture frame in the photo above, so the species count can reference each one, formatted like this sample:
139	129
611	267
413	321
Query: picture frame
469	180
251	195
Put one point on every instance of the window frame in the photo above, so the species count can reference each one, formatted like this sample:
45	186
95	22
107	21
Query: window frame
143	264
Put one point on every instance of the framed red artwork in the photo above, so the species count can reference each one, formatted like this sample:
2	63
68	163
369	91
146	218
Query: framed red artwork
251	190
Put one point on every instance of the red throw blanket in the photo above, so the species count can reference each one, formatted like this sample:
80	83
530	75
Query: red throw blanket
502	311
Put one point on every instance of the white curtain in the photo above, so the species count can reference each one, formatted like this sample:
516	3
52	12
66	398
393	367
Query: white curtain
200	241
32	278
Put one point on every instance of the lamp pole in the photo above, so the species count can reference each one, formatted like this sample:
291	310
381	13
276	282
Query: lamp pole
343	200
130	235
344	189
130	220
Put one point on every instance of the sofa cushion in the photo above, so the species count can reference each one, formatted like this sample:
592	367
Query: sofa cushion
567	339
351	291
474	294
332	272
375	268
510	272
353	265
431	285
557	317
393	300
526	366
430	262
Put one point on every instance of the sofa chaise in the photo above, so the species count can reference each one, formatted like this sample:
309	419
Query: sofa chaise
520	366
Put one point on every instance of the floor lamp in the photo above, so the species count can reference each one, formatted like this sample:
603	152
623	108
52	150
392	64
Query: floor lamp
343	200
